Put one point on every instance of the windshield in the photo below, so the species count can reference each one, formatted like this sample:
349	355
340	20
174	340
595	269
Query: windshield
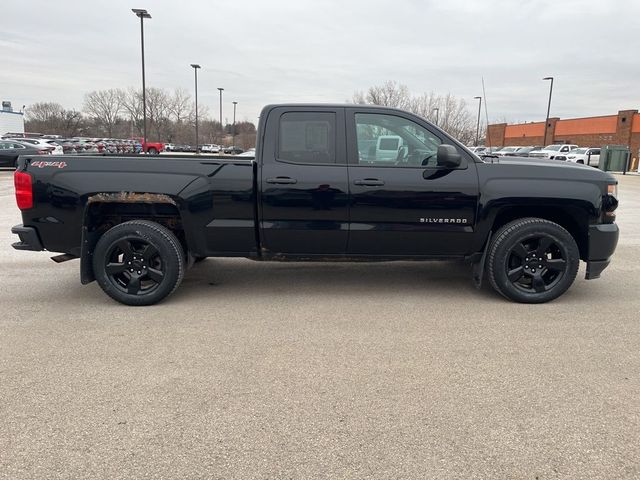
509	149
553	147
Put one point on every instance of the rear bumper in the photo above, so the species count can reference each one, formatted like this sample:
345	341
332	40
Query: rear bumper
29	239
603	239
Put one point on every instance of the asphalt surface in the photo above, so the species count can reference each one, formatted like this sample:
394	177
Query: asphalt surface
258	370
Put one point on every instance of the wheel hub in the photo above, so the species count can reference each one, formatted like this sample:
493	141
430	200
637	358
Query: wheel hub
136	265
534	263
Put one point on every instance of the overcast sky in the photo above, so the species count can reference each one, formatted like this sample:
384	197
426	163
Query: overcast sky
322	51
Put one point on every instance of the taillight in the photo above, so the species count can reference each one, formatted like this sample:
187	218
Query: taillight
24	190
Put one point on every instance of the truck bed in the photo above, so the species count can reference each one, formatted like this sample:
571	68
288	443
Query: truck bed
211	194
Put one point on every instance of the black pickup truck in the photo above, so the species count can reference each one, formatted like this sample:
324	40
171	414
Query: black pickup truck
328	183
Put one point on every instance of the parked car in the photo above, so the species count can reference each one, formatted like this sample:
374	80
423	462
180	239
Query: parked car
68	147
479	150
586	156
550	151
250	153
210	148
43	144
169	147
522	151
505	151
524	227
10	150
152	148
84	146
233	150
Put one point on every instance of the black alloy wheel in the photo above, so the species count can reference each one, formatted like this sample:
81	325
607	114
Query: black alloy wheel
134	266
536	264
138	262
532	260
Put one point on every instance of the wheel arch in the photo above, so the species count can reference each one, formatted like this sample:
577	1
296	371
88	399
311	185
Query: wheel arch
106	210
572	218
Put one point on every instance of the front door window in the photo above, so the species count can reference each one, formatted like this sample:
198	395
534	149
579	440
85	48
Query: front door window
389	140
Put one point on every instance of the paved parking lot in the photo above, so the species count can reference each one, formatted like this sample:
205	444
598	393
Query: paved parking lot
254	370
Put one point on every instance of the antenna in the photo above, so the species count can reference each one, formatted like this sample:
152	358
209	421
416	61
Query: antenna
486	114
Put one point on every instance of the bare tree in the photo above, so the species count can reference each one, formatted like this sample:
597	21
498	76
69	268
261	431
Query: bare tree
105	107
117	113
389	94
181	107
453	116
132	103
51	117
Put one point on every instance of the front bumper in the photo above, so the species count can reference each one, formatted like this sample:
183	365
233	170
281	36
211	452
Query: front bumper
603	239
29	239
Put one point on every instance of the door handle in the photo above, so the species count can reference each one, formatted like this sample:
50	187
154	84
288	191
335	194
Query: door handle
282	180
369	182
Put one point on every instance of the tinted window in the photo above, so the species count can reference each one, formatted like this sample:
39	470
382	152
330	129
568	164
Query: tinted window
307	137
392	140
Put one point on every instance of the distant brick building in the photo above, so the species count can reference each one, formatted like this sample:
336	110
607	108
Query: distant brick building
620	129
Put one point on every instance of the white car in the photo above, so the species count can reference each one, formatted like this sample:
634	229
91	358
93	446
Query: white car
586	156
42	143
210	148
249	153
551	151
479	150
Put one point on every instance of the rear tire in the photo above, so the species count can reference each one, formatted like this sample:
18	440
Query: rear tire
532	260
138	262
152	151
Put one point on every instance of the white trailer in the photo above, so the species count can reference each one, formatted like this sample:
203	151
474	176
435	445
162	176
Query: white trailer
11	122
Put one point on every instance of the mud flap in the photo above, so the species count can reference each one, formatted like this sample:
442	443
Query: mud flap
89	240
478	267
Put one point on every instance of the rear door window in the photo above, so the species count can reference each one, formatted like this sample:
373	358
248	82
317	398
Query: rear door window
307	137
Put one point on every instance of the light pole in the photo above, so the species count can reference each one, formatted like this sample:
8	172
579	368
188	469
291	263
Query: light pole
195	71
142	14
478	126
546	122
437	110
234	123
221	90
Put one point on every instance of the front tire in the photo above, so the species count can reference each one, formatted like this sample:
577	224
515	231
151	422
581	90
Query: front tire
138	262
532	260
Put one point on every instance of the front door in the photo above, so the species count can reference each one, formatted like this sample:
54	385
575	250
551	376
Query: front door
304	195
406	204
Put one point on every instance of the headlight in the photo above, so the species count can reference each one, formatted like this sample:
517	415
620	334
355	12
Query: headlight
612	190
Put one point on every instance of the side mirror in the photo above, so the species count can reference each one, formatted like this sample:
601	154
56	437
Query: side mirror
448	156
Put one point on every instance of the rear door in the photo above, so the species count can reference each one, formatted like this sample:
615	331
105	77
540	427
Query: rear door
406	205
304	194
